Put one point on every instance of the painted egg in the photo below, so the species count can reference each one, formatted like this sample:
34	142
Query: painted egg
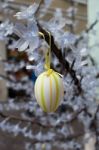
49	90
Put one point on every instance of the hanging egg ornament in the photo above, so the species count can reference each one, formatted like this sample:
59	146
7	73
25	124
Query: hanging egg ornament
49	90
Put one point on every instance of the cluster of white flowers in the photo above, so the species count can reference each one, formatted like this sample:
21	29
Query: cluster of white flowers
28	40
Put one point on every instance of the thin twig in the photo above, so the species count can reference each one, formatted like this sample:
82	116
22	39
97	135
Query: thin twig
7	78
59	139
86	31
40	3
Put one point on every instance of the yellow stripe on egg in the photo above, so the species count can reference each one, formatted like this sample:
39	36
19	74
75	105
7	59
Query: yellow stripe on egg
51	93
57	91
42	95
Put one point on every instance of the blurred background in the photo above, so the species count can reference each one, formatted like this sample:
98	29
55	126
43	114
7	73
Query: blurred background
17	80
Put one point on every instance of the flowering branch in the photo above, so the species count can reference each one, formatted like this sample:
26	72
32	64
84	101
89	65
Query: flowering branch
36	121
62	60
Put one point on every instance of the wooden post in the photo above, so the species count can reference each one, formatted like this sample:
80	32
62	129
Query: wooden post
93	11
3	88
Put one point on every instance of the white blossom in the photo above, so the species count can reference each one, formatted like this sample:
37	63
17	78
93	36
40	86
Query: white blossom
29	38
28	13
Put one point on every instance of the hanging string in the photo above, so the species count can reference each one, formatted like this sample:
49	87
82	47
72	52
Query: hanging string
48	54
41	34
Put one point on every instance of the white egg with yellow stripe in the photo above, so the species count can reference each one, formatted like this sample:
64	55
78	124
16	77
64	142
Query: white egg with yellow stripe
49	90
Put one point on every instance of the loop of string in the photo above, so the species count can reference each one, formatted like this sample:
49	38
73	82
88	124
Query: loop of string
48	56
